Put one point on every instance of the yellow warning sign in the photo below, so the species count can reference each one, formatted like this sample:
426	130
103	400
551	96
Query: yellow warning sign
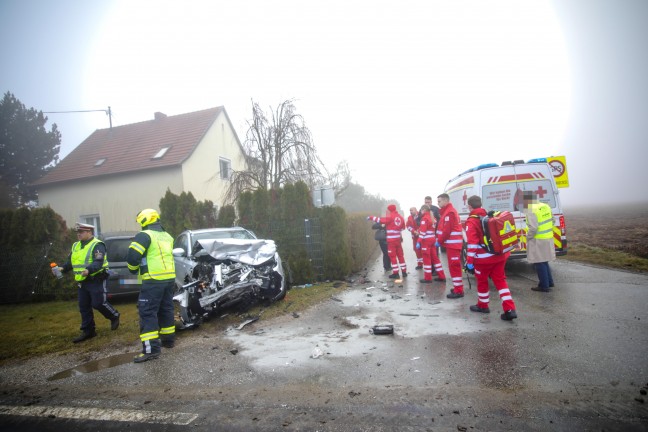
558	166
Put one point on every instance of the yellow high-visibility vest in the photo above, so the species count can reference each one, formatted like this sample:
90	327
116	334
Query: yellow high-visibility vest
81	258
158	263
545	220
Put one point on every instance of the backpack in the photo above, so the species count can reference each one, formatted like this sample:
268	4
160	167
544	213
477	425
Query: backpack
500	234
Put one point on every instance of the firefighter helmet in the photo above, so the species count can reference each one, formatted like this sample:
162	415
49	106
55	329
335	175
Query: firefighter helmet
147	217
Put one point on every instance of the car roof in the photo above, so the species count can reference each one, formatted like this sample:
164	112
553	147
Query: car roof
203	230
117	235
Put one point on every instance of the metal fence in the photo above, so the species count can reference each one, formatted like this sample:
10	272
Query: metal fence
304	235
26	276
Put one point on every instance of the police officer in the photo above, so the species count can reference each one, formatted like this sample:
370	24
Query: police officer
150	255
89	262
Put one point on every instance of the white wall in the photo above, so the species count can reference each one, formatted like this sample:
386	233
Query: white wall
116	199
201	171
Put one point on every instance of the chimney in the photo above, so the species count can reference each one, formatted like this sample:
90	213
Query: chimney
159	116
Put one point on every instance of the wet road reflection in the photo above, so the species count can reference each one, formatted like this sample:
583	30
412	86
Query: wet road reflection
94	366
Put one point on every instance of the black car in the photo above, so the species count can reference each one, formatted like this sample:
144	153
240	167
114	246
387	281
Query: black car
120	282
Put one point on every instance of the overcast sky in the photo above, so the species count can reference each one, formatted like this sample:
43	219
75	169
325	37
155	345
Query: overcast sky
409	93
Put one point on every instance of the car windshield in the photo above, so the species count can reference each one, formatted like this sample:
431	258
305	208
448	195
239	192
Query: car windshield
117	249
224	234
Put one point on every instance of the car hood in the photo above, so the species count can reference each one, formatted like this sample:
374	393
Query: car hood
250	252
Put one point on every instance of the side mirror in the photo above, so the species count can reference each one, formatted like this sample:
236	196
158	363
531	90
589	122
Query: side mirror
179	252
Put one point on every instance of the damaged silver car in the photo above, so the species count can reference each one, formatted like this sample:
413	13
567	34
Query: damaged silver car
224	268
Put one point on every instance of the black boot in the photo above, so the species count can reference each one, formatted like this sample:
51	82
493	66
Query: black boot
509	315
84	336
142	357
114	323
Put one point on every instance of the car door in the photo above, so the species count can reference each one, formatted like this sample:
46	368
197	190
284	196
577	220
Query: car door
183	264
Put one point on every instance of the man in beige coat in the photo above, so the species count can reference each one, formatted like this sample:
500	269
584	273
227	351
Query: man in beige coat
540	243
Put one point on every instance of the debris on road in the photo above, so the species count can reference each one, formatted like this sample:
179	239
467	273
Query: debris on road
383	329
244	323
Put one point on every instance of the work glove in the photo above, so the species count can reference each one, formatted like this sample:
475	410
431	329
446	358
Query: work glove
470	268
418	245
369	218
437	244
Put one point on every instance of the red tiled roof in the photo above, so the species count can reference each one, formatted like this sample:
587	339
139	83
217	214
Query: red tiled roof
132	147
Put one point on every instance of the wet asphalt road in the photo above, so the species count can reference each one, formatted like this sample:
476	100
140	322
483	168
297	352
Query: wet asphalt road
575	359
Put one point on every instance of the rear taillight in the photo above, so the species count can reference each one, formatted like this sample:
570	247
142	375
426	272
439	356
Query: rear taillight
562	224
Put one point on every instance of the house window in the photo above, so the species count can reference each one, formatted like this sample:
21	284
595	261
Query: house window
100	162
92	220
161	153
225	168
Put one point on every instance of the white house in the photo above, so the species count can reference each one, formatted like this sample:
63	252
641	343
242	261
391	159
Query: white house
116	172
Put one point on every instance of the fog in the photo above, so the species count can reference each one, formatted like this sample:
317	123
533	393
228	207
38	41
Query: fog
606	140
409	94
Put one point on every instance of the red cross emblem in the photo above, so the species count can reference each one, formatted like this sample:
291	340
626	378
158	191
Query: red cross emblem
541	192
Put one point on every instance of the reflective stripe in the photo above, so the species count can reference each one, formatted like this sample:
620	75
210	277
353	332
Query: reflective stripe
484	255
159	275
138	248
167	330
148	336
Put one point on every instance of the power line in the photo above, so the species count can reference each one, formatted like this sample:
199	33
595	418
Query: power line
108	113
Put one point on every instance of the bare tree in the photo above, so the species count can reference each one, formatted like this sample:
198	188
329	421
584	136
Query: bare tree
279	150
341	178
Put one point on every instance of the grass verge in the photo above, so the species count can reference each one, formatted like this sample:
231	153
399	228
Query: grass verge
605	257
37	329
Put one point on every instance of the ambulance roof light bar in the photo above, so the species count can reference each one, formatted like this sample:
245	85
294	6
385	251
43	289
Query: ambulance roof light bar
537	160
514	162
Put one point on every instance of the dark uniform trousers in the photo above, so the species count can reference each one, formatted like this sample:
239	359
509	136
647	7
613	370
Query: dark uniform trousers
155	306
92	294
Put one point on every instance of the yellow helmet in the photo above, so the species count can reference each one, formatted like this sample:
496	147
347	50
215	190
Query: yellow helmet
147	217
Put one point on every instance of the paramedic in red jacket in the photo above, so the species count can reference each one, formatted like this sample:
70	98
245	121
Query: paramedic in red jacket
412	226
426	241
394	224
486	264
450	235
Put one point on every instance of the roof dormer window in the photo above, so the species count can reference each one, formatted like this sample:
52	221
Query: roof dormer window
100	162
161	153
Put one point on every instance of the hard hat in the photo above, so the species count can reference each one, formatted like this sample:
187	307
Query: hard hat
83	227
147	217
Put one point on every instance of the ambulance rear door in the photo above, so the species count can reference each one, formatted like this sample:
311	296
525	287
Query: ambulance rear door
502	189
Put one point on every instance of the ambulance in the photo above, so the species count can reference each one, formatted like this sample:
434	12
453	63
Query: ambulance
501	186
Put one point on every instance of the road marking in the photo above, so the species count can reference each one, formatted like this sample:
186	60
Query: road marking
137	416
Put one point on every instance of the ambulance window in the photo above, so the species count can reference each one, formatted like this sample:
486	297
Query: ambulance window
498	197
503	196
543	189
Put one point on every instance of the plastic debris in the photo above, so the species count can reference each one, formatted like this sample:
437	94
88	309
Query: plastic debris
243	324
317	353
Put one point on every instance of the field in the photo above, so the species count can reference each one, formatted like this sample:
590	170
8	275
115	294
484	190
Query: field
594	234
623	228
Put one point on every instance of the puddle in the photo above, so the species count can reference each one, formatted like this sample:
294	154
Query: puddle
94	366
